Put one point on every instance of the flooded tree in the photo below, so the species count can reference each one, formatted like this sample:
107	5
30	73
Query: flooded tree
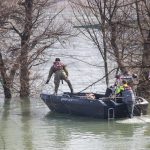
117	29
92	24
143	20
103	22
31	29
5	11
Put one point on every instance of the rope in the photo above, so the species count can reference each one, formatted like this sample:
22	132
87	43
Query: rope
97	81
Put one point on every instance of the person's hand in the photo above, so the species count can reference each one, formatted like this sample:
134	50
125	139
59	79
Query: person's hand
46	82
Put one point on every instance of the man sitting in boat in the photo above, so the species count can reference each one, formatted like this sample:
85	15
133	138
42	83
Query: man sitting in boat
128	97
61	73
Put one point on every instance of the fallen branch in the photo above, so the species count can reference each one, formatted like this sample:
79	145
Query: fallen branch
97	80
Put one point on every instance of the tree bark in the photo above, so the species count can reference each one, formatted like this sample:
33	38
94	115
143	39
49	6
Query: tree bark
5	79
118	57
24	71
105	59
144	82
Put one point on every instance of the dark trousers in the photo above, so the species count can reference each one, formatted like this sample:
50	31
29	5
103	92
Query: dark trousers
130	108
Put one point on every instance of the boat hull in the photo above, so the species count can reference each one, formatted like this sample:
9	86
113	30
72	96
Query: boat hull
99	108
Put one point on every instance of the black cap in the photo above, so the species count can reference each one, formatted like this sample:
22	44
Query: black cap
57	59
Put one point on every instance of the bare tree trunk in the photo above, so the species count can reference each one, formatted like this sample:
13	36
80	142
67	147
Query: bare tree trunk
24	71
116	49
105	59
5	79
144	83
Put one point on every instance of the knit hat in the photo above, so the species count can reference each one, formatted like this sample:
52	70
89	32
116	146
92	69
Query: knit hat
57	59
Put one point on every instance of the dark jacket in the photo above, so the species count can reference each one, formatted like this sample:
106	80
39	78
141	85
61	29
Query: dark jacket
128	96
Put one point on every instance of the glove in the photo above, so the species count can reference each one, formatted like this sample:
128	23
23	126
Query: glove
46	82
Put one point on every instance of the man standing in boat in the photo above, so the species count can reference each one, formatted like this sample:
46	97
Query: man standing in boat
128	97
61	73
131	79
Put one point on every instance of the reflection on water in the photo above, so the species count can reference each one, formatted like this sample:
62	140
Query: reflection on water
5	114
29	125
26	124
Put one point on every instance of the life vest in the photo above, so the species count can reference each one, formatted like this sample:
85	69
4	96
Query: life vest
121	88
57	65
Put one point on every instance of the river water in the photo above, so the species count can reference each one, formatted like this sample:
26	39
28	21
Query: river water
30	125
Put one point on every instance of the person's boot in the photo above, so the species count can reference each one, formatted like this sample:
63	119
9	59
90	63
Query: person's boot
56	89
70	86
71	91
54	93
